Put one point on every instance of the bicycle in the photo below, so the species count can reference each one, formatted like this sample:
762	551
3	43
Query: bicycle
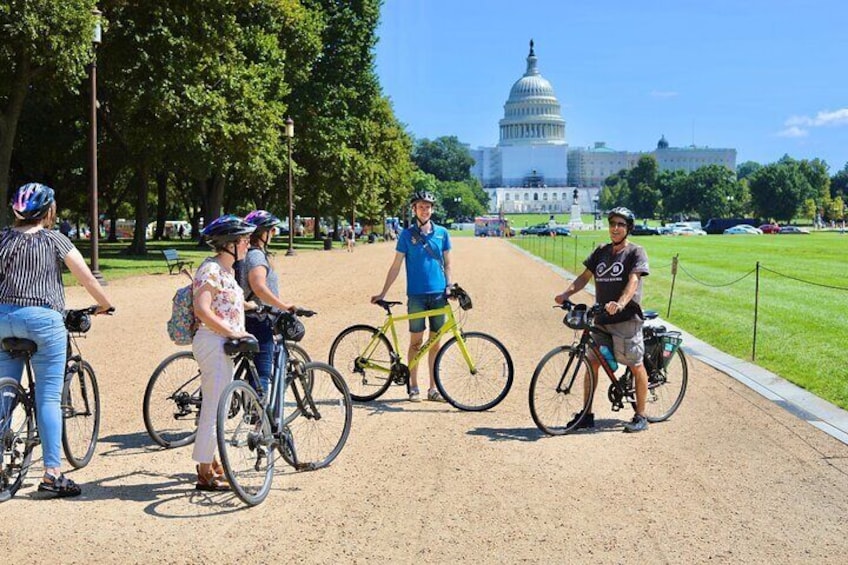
172	398
309	429
563	383
473	370
80	407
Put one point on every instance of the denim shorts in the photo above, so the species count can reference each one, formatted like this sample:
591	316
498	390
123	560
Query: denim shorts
625	341
422	302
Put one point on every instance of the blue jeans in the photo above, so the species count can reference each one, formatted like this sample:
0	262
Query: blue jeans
46	328
264	360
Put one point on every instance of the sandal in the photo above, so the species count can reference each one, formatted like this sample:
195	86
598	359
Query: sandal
211	482
61	486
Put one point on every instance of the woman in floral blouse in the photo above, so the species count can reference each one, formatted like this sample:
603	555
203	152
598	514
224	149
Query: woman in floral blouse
219	307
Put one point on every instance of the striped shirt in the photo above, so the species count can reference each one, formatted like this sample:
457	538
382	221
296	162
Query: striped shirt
31	268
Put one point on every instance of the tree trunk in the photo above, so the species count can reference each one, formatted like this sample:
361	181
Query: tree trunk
139	243
161	204
9	118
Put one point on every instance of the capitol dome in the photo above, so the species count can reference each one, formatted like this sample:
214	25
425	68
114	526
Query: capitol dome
532	113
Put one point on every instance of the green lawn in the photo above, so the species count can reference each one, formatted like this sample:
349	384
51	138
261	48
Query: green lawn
803	297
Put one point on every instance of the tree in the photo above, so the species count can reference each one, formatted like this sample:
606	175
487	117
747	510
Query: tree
645	200
712	191
746	169
839	183
444	157
27	59
644	172
670	183
778	190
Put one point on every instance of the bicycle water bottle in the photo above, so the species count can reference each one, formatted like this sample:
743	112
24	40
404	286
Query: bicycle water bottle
610	357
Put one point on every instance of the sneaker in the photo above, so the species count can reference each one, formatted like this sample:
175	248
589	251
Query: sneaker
414	395
588	421
434	396
639	423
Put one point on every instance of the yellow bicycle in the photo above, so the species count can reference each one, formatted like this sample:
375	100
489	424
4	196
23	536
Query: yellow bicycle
473	370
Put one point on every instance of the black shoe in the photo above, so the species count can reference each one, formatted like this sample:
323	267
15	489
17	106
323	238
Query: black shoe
639	423
588	421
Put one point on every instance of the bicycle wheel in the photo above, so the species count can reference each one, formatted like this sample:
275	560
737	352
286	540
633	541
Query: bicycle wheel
297	353
324	414
367	373
560	389
80	415
245	443
477	387
17	437
666	388
172	401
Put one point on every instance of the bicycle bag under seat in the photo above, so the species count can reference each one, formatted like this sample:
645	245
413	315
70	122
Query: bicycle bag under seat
183	325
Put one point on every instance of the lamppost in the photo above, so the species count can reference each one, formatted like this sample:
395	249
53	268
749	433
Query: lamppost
94	223
596	212
730	205
290	136
457	200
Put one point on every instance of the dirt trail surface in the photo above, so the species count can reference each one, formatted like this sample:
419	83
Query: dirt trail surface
730	478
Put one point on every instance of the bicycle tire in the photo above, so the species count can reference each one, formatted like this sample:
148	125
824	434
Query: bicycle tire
324	415
297	352
346	357
172	401
80	415
17	437
558	390
666	388
245	443
487	386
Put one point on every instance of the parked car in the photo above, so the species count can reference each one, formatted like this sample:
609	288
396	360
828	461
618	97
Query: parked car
718	225
743	229
688	231
770	228
538	229
644	230
560	230
793	230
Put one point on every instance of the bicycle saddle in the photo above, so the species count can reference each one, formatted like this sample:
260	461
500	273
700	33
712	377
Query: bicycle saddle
387	303
650	314
241	345
19	345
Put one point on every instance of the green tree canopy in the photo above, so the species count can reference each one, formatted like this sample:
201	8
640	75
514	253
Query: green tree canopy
444	157
778	190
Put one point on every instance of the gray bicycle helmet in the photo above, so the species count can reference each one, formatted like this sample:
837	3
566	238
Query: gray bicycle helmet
625	213
422	196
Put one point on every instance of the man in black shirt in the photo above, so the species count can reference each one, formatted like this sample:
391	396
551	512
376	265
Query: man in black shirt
618	268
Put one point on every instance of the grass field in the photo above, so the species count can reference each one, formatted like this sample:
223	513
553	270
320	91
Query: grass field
802	306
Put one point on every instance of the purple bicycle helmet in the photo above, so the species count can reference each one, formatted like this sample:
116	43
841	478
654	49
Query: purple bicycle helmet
227	228
32	201
262	219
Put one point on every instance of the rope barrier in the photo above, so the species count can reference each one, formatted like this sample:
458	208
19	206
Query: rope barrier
803	281
715	285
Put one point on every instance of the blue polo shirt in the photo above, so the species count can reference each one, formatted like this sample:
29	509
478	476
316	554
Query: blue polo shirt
424	266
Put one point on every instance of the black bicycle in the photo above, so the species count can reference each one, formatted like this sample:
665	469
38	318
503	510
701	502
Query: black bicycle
563	383
80	407
305	416
172	397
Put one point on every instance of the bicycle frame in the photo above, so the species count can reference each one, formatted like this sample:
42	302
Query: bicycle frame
388	328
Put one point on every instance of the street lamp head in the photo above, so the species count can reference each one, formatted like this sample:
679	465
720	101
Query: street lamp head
289	128
98	29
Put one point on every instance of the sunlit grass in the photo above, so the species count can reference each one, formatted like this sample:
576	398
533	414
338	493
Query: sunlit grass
803	297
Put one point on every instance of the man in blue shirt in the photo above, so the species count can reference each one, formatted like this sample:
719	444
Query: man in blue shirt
426	248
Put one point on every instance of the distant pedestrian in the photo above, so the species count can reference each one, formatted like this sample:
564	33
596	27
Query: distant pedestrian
181	231
351	238
65	228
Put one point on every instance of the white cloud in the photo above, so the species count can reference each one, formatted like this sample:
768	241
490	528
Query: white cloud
793	131
663	93
823	118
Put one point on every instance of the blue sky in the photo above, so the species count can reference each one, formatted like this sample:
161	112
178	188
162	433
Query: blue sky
766	77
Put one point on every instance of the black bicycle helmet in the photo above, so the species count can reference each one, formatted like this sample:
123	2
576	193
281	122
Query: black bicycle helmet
262	219
422	196
226	228
625	213
32	201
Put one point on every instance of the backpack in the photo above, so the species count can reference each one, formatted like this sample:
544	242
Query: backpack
183	325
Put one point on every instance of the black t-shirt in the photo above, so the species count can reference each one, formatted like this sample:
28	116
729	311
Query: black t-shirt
611	272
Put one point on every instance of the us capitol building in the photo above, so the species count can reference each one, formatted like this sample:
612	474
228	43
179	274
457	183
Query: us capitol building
532	168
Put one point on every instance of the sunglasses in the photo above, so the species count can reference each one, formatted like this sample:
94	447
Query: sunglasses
618	224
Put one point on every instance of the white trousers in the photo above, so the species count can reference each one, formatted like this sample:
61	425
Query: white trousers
216	372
